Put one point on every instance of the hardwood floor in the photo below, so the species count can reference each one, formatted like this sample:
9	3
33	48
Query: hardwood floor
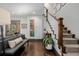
36	48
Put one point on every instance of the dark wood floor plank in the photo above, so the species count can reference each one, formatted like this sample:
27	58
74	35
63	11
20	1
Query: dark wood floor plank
36	48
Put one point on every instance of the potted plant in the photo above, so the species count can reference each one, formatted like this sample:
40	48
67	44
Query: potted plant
48	41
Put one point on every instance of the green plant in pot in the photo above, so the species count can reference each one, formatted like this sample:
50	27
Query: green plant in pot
48	41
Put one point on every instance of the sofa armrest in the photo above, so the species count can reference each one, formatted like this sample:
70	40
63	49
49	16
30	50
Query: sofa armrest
12	51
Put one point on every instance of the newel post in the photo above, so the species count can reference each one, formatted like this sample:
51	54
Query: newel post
60	34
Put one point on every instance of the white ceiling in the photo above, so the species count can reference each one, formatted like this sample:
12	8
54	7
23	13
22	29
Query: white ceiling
23	8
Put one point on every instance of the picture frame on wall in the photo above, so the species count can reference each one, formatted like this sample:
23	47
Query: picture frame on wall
32	32
24	26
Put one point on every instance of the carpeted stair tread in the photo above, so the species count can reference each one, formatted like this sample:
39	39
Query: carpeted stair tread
69	39
71	54
72	45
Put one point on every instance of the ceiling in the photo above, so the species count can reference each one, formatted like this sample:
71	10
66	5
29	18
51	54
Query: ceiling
23	8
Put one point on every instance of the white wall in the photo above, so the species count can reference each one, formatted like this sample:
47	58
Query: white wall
38	26
4	18
70	13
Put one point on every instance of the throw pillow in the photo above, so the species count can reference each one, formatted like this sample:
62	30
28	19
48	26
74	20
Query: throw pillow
12	43
18	40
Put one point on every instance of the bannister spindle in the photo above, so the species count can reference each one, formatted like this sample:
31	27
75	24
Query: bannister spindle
60	34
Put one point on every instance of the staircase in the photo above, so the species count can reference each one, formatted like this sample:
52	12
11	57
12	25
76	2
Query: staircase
70	43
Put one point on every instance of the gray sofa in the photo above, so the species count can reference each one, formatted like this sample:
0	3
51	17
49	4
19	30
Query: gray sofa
12	51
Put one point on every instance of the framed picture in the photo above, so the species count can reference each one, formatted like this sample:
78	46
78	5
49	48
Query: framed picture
24	26
32	33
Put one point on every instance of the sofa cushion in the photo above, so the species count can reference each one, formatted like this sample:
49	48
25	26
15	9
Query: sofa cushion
9	51
12	43
18	40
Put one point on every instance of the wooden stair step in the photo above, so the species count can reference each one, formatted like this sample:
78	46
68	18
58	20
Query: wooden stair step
70	41
71	54
68	35
72	48
72	45
65	28
65	31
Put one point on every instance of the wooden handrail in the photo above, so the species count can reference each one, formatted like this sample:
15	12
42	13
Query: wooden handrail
56	12
60	34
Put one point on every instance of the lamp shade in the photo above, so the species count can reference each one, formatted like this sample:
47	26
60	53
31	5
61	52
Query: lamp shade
4	17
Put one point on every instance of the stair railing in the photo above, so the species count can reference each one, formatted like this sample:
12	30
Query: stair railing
49	23
61	6
51	14
60	29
